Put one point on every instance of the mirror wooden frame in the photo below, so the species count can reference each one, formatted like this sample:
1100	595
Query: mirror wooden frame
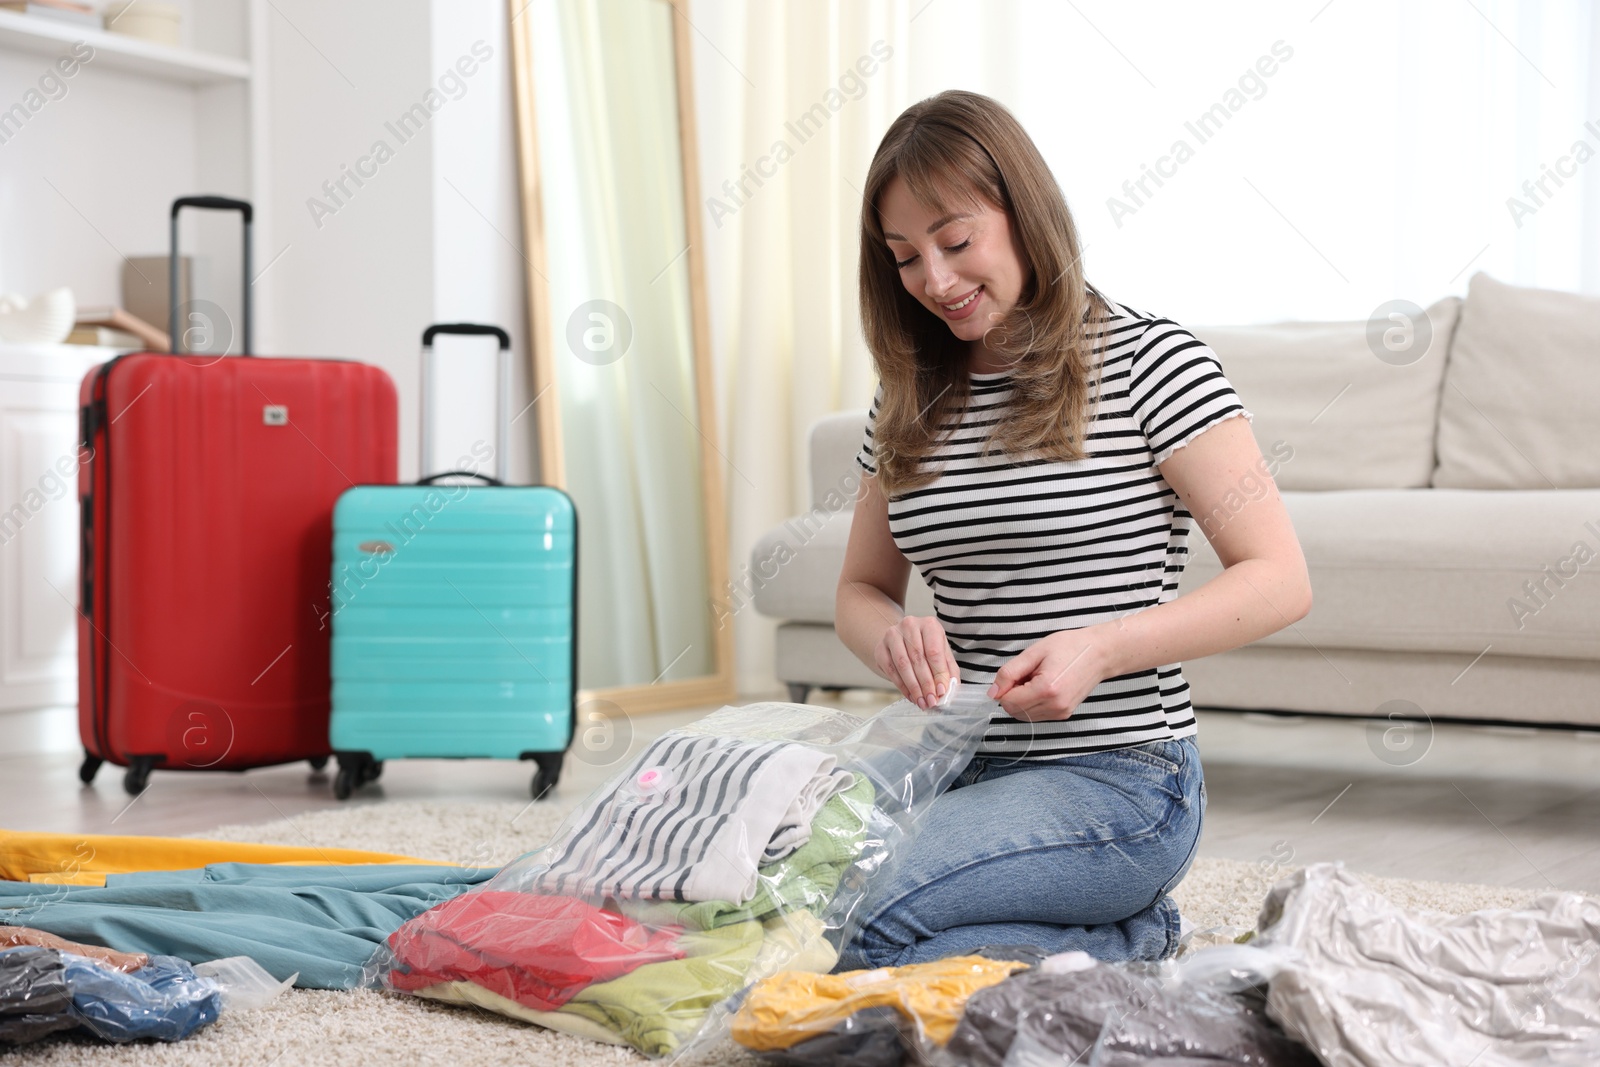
717	687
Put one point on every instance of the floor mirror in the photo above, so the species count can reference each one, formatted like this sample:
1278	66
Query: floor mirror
619	340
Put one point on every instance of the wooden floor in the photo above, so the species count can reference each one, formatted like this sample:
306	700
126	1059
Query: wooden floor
1515	807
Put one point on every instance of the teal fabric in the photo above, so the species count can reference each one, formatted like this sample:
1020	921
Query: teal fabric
324	922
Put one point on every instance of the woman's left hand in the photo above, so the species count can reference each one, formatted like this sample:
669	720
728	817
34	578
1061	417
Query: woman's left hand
1049	679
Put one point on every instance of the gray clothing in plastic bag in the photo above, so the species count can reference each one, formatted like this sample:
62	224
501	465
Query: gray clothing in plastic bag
1367	983
1120	1015
45	990
34	998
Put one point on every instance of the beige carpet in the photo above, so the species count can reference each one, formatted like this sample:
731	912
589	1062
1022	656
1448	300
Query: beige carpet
368	1029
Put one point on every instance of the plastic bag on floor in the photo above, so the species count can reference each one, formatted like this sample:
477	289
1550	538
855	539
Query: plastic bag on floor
34	999
728	850
868	1017
45	990
1367	982
1074	1009
245	985
163	1000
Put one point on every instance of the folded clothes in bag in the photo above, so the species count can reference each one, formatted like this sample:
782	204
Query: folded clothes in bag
474	995
792	1007
1366	982
678	843
163	1000
659	1006
1117	1015
872	1037
794	825
807	878
34	998
693	819
543	949
46	990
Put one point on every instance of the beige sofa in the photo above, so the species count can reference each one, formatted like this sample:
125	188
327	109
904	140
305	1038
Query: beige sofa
1442	471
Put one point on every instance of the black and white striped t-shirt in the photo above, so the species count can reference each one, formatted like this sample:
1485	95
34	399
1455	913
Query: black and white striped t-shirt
691	820
1015	551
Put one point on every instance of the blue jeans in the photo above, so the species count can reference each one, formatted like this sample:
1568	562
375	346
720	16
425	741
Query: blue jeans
1077	852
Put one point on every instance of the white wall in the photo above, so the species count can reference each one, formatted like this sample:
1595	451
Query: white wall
434	235
86	180
479	273
356	283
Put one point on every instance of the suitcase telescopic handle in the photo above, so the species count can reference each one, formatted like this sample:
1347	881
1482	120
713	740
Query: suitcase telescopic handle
469	329
210	203
484	478
502	449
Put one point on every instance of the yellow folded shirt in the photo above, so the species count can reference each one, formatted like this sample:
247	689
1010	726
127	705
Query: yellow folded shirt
792	1006
86	859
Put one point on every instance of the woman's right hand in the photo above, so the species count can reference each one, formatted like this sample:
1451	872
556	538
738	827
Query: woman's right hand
915	656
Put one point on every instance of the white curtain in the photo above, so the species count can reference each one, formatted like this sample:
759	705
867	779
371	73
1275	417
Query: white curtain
1356	151
607	119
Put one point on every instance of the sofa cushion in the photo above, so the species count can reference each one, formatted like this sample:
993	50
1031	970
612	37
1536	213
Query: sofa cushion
1439	570
811	652
1521	391
1359	681
794	569
1328	410
835	440
1443	570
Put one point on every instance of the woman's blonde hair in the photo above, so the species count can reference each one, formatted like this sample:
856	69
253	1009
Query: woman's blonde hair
964	144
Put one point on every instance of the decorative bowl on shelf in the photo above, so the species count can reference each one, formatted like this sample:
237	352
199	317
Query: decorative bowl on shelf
144	19
46	319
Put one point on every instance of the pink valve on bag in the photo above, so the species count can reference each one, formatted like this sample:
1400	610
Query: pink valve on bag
652	780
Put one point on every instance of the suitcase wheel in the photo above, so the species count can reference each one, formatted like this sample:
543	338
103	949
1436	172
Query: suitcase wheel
89	768
356	769
318	763
138	775
548	774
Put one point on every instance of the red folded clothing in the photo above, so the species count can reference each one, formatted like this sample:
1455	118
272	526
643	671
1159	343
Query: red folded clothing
539	951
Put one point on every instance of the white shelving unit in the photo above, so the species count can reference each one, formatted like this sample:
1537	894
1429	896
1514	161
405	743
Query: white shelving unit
114	51
39	523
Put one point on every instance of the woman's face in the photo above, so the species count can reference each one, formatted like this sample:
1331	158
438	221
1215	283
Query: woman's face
965	266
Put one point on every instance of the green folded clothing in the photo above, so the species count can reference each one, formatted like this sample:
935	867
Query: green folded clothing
660	1005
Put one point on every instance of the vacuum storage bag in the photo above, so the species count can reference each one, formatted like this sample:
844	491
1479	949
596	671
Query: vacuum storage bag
45	990
1366	982
1208	1008
726	851
866	1018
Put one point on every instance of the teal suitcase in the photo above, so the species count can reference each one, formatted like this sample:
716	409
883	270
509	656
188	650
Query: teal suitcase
454	611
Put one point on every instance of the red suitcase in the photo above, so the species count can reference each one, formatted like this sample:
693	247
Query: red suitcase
207	498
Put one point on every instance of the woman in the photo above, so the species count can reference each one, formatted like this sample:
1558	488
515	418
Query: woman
1039	452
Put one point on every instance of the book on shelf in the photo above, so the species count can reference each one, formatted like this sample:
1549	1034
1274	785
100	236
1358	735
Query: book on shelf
105	337
144	287
57	10
115	318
